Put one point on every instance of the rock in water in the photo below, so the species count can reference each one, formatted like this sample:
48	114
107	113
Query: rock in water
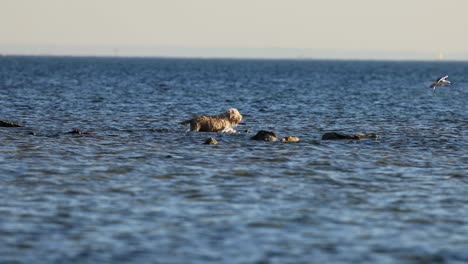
336	136
265	135
9	124
290	139
370	135
79	132
211	141
75	131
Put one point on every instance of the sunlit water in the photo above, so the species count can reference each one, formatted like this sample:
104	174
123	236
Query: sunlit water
140	188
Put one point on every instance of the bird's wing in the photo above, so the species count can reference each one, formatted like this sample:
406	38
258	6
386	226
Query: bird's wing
437	82
442	80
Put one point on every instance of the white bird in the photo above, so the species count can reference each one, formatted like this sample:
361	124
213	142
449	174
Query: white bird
442	81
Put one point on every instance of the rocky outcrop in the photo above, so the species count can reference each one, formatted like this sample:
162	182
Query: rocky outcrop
290	139
337	136
9	124
265	135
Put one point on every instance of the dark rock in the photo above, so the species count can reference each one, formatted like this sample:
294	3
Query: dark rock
9	124
211	141
336	136
75	131
265	135
290	139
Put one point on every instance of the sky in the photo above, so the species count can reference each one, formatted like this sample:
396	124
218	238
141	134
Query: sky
359	29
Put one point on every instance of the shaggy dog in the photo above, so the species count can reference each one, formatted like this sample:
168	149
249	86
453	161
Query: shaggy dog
216	123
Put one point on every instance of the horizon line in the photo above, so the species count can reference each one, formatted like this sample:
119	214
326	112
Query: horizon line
168	57
267	53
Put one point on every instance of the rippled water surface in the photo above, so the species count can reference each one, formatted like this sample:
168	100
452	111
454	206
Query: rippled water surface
140	188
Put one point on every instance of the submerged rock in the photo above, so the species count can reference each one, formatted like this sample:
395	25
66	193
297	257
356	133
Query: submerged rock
336	136
211	141
77	131
290	139
265	135
9	124
370	135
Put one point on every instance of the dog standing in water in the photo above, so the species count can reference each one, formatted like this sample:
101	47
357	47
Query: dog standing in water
215	123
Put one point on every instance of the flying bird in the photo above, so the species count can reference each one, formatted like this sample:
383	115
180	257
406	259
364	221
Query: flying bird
442	81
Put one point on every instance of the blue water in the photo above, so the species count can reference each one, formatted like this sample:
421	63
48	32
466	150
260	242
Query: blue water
140	188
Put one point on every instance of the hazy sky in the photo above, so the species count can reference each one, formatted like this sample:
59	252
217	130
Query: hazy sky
378	28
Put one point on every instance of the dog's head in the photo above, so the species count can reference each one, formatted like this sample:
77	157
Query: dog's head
234	116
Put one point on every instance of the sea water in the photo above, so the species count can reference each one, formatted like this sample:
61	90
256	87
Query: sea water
138	187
